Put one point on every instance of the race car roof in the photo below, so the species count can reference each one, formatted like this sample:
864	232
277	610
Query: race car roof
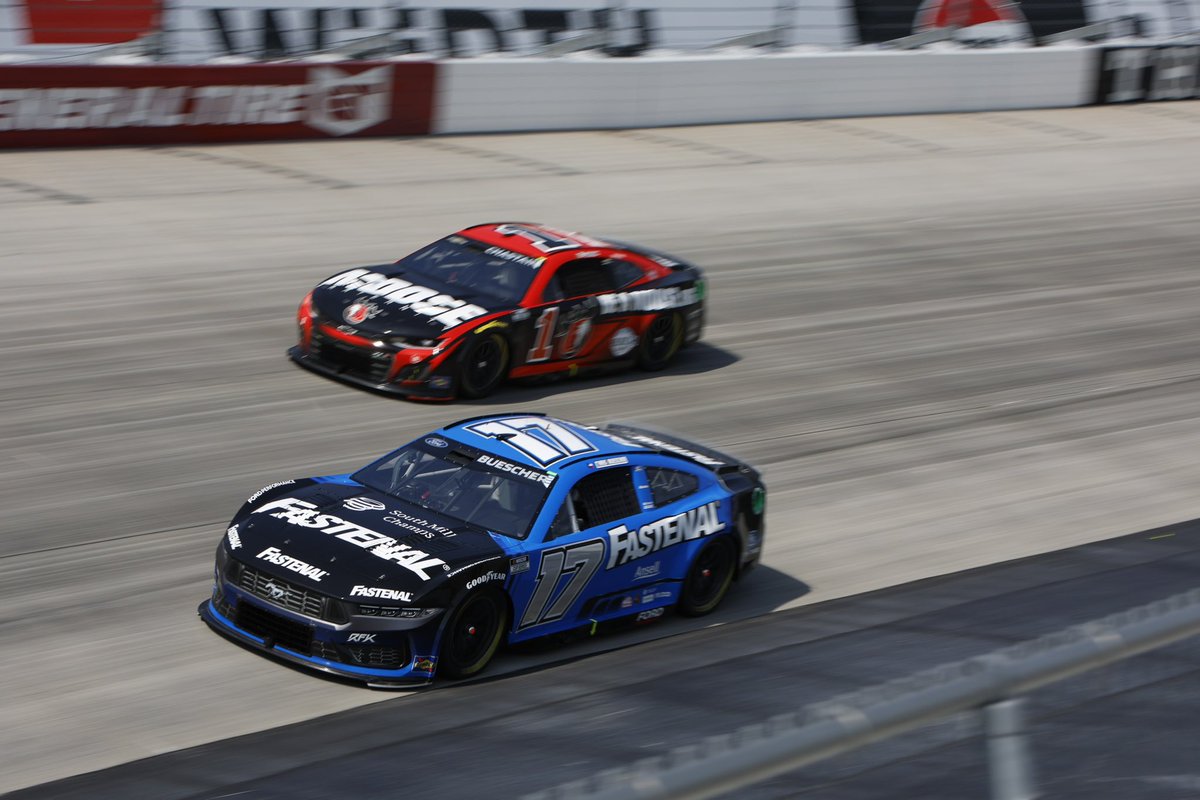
531	239
537	440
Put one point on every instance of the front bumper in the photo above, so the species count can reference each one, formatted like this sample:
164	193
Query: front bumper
381	659
437	384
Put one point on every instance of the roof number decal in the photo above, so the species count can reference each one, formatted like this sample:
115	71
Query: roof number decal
542	440
540	239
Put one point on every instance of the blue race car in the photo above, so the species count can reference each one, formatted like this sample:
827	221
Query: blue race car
494	529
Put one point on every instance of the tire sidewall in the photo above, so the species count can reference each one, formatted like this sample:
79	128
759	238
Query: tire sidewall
446	665
465	388
686	605
646	359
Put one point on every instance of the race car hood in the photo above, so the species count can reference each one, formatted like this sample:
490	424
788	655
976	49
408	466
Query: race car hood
354	543
386	301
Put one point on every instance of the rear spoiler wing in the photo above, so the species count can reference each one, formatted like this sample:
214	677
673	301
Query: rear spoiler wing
673	445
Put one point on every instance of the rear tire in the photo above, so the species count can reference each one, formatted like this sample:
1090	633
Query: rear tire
708	578
473	634
660	342
483	365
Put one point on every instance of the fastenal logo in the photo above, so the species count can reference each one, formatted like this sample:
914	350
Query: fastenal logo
275	556
363	504
629	545
306	515
380	592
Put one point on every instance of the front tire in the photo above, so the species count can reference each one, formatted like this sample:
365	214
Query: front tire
660	342
473	634
708	578
483	365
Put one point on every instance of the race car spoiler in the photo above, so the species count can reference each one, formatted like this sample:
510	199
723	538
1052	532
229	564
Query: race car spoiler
673	445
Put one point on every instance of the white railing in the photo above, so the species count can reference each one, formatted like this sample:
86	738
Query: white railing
993	684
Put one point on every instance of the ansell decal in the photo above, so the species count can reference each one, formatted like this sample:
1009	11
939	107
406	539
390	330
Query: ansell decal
647	571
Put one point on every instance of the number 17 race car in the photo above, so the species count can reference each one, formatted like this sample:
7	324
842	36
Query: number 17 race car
500	300
490	530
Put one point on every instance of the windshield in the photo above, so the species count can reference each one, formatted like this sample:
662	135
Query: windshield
473	487
500	275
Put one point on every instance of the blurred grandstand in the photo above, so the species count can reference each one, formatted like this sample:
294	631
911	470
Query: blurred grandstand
220	31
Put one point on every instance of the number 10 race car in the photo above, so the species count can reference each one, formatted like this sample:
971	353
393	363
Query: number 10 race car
490	530
495	301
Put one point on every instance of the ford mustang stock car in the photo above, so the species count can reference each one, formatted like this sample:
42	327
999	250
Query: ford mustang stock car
499	300
491	530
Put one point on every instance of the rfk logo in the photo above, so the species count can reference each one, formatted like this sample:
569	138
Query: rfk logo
341	104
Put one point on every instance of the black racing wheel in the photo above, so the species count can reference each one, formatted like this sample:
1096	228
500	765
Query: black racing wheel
709	578
483	365
473	634
660	342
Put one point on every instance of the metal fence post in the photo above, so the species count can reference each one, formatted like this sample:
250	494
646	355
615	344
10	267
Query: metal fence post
1010	764
785	24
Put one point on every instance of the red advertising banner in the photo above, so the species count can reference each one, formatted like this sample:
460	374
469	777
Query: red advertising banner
71	106
90	21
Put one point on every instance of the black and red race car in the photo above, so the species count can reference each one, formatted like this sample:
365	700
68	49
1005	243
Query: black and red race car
496	301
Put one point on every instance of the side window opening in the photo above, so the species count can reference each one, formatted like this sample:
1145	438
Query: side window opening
669	485
552	291
623	272
596	499
585	276
565	522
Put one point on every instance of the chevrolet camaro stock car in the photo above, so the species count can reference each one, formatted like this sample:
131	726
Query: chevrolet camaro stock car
495	301
494	529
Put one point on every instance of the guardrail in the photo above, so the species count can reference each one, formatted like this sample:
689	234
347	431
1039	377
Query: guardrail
992	684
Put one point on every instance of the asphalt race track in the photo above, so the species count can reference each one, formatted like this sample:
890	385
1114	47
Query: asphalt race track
949	341
1125	731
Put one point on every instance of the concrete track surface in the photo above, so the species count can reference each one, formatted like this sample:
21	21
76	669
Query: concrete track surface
949	341
1120	732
